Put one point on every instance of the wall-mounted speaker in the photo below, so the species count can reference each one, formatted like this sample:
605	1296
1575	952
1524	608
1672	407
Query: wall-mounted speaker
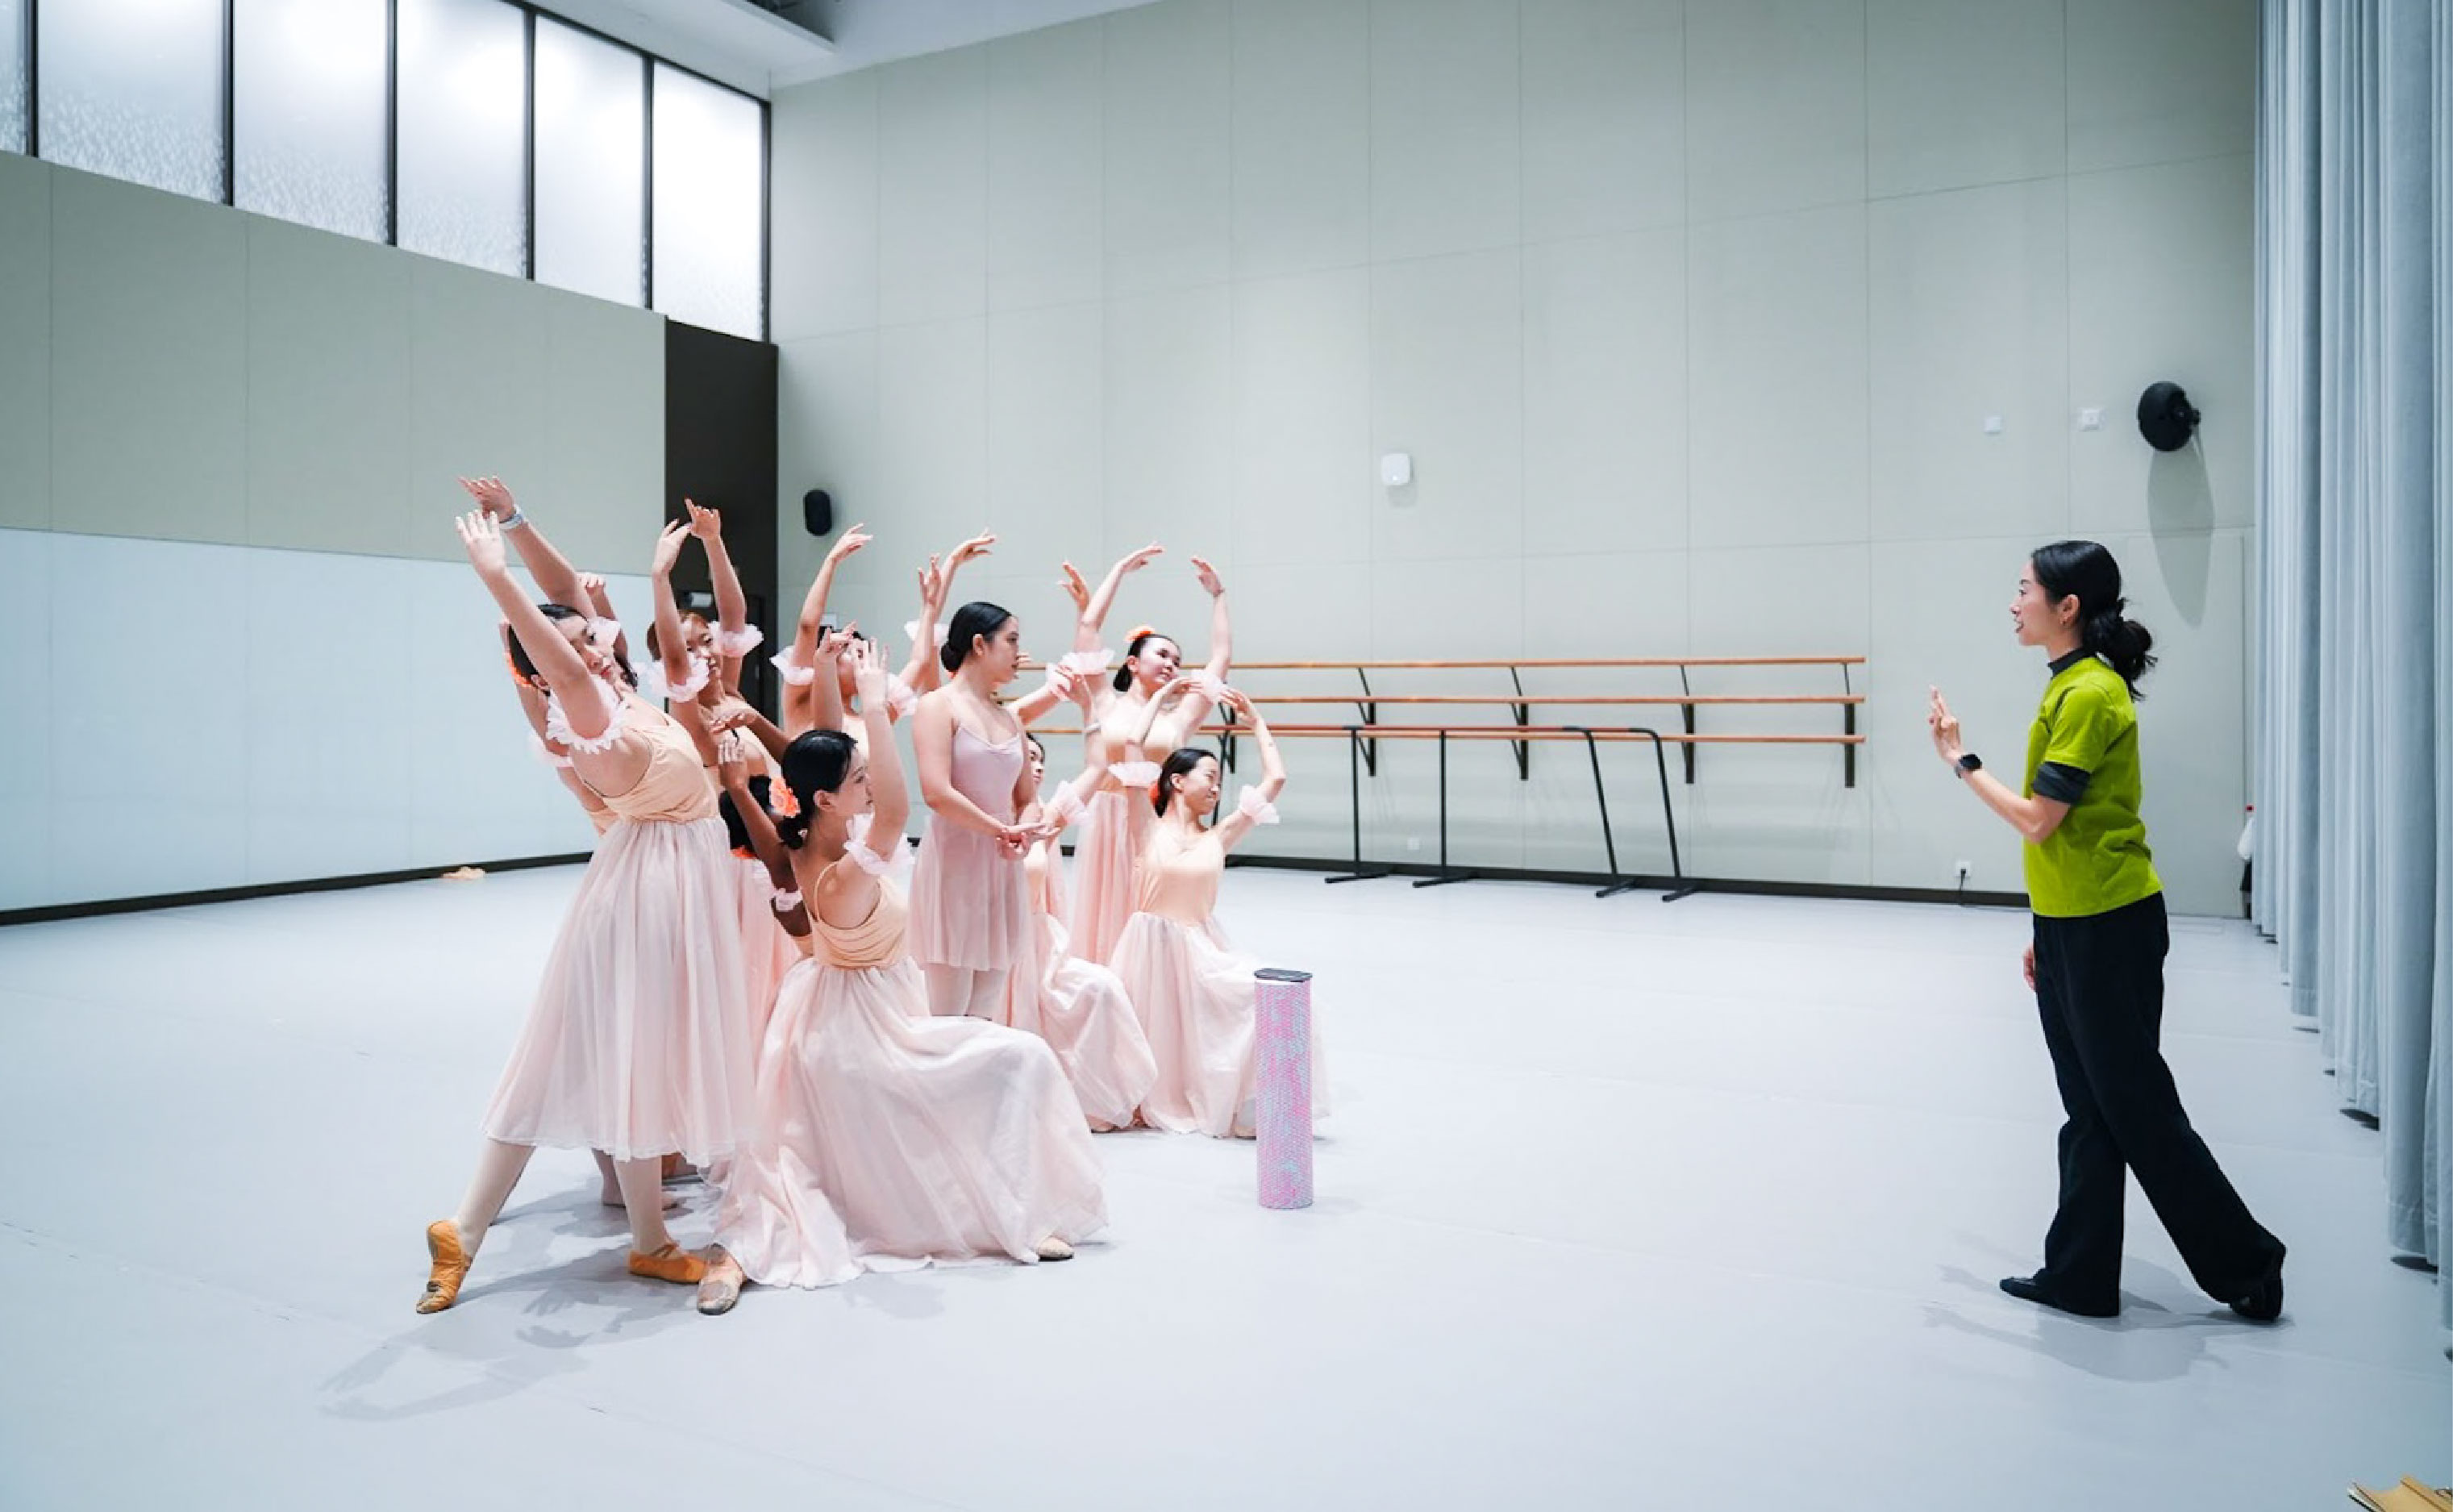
818	512
2165	417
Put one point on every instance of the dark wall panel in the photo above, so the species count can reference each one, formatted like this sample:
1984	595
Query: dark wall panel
719	451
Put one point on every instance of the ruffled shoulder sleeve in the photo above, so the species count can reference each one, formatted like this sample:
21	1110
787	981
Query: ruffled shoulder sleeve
741	641
1135	774
1251	805
558	723
1066	807
1088	663
857	848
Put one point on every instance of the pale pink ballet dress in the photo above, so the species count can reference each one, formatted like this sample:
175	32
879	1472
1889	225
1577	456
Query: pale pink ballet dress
1106	856
970	906
767	951
1194	993
896	1139
638	1042
1077	1007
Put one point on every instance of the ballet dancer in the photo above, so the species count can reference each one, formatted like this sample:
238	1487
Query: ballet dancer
1077	1007
888	1137
1117	824
637	1041
970	913
1193	989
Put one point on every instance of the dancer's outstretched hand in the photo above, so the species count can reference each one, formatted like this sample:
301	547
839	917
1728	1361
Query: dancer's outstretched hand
491	496
708	524
868	674
1210	583
976	546
853	541
668	548
1076	589
484	540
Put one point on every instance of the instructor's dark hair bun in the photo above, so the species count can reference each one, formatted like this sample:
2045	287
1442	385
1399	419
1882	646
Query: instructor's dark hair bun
2085	570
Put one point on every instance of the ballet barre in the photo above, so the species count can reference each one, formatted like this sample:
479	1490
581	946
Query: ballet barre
1385	715
1520	703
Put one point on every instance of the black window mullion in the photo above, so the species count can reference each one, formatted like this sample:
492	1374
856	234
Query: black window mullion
647	186
528	255
392	123
765	211
33	79
229	102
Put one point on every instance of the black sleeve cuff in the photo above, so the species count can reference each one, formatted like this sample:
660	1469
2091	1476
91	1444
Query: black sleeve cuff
2061	782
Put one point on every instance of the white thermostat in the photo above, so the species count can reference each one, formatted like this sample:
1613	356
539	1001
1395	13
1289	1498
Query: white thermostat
1396	469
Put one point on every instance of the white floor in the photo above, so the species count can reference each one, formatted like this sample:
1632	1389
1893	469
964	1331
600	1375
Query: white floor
1624	1205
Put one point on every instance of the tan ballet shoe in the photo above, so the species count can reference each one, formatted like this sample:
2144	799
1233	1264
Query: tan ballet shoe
722	1288
1053	1248
450	1265
673	1263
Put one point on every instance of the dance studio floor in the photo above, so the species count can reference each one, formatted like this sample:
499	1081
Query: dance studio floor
1623	1206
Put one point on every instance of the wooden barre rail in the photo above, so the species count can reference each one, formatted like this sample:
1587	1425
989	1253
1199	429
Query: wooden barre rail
1541	663
1489	732
1507	700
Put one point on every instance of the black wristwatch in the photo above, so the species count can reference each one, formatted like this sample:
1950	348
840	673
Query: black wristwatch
1969	762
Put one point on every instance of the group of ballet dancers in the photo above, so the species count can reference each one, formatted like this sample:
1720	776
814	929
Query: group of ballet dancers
872	1073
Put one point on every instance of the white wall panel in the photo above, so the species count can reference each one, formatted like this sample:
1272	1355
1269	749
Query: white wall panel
1690	317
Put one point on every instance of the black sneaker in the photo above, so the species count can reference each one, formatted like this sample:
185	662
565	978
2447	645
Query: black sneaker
2032	1288
2265	1304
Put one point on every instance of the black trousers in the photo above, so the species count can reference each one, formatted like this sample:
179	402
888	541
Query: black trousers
2100	990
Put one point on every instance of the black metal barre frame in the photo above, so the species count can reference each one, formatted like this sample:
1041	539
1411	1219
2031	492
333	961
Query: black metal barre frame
1620	881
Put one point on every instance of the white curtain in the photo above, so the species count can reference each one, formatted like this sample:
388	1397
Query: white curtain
2353	747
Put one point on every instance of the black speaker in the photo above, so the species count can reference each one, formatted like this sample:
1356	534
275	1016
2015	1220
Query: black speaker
818	512
2165	417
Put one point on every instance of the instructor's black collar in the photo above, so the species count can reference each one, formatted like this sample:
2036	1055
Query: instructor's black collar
2065	663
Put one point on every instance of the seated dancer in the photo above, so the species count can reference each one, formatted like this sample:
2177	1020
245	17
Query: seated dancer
1117	824
637	1043
1077	1007
1193	990
888	1137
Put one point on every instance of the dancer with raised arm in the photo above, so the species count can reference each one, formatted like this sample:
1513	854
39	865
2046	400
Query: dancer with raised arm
970	910
888	1137
798	663
1077	1007
1193	989
1132	745
637	1042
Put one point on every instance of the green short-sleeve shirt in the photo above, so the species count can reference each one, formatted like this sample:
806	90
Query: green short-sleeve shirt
2084	751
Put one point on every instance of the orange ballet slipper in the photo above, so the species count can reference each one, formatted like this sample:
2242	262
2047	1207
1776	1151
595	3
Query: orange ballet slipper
450	1265
673	1263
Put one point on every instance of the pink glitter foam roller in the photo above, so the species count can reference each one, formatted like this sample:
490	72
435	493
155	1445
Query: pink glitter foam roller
1282	1085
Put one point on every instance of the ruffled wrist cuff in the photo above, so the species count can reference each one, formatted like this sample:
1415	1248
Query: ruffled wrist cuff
797	675
741	641
1135	774
1253	806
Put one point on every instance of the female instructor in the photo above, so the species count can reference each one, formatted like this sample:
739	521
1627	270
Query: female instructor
2097	962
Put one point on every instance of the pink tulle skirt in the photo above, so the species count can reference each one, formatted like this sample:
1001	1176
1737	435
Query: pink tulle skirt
767	951
900	1139
638	1043
1105	853
970	902
1079	1009
1194	993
